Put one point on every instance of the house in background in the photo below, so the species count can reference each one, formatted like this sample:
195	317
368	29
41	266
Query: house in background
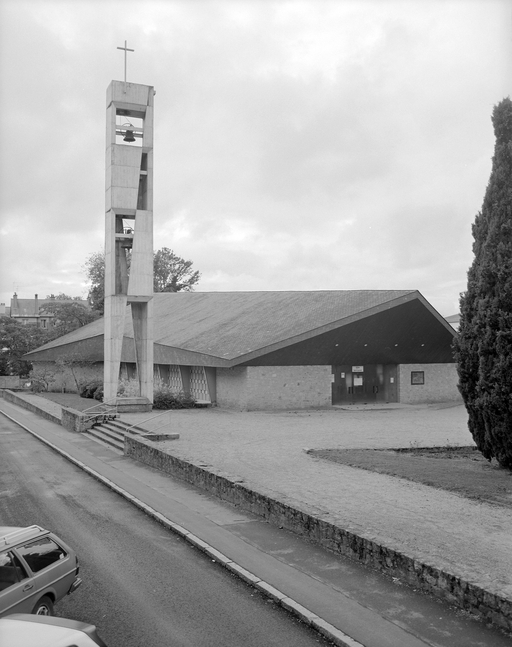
454	321
30	311
281	350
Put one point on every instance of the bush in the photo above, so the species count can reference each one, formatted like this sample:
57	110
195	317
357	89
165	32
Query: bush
128	388
89	389
37	385
164	398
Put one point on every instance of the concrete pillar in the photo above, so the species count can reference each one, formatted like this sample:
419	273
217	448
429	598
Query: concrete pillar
129	232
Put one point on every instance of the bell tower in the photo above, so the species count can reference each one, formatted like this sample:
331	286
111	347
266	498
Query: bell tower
129	233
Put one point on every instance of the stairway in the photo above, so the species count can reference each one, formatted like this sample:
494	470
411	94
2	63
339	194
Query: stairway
111	433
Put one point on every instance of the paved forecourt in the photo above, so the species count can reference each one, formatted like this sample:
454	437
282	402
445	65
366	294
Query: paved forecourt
266	451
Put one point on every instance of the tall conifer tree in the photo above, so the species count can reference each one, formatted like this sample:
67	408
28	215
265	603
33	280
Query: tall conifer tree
484	346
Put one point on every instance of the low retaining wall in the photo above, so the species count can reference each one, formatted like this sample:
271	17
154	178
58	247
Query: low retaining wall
74	420
489	607
11	396
10	382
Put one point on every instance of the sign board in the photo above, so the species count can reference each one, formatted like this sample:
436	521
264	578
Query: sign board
357	369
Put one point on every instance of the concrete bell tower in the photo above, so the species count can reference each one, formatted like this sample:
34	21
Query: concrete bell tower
129	233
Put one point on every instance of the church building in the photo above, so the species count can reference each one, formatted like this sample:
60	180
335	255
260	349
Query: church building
282	350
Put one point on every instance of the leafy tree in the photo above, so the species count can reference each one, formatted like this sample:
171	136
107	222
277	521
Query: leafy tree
95	270
171	274
42	377
484	346
16	339
67	316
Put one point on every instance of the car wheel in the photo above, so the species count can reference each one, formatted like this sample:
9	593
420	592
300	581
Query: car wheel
44	607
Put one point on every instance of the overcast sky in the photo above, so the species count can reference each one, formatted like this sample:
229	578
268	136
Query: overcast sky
298	145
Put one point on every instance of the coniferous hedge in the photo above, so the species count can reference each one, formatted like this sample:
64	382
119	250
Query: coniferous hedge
483	349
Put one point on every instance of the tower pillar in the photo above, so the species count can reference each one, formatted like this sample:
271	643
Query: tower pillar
129	233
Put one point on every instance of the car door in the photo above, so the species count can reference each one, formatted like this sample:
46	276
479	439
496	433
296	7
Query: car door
50	565
17	587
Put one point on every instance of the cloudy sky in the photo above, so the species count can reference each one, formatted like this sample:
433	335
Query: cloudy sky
301	145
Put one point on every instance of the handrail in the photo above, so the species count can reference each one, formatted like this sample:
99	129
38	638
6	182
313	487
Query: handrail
153	431
101	404
147	420
102	409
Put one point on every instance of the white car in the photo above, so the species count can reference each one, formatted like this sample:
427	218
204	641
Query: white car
28	630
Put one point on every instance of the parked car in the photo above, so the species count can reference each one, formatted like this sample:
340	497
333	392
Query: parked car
37	569
25	630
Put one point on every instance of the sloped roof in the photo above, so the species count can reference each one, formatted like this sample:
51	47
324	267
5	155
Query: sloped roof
228	328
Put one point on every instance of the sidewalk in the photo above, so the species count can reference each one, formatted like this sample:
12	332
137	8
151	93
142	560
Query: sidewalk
265	451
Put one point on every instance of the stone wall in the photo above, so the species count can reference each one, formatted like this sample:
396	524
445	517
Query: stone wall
63	378
440	384
74	420
12	396
10	382
294	516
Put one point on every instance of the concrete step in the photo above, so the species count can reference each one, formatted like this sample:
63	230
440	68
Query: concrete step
106	436
122	427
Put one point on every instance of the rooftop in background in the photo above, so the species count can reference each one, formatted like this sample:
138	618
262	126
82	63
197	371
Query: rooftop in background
31	311
454	321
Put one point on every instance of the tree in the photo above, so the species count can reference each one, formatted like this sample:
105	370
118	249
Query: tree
171	274
95	270
483	349
16	339
67	316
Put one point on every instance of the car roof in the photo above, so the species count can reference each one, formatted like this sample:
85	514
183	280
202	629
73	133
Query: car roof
27	630
10	535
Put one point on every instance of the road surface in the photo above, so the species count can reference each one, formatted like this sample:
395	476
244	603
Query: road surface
142	584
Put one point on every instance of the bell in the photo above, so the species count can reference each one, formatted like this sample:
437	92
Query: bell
128	137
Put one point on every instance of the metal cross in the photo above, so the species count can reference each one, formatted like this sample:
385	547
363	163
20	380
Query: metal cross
126	50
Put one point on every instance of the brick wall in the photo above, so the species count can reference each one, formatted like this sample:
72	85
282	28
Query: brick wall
440	384
232	388
288	387
274	387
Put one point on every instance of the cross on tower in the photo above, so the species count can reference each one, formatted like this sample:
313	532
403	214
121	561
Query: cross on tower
126	50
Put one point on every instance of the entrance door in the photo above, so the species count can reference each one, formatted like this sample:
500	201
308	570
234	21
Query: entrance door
360	385
364	384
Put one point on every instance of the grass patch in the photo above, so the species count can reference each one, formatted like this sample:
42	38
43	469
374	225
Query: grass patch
462	470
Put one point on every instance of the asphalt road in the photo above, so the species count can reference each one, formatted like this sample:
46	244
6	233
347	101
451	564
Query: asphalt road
142	584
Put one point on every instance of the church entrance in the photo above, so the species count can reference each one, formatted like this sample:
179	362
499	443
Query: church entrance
364	384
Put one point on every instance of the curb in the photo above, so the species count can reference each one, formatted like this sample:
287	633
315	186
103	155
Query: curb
305	615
